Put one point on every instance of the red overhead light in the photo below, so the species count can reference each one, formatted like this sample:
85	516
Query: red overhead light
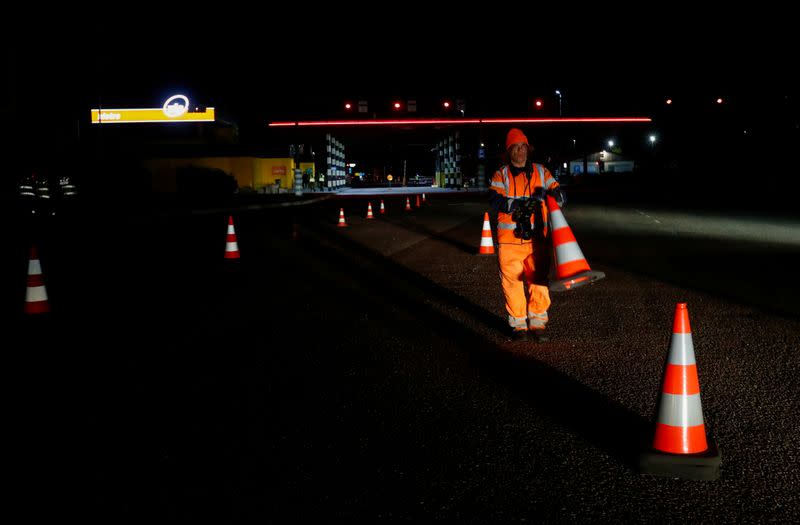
396	122
719	101
446	104
348	105
396	105
538	103
549	120
669	101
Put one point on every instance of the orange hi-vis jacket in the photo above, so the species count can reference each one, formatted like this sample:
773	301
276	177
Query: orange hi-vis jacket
519	189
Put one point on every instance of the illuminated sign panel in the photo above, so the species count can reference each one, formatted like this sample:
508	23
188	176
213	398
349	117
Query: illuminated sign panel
175	109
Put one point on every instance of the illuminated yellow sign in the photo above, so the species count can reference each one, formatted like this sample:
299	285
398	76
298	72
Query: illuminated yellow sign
175	109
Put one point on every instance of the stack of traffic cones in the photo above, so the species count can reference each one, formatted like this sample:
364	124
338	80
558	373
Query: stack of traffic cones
680	448
572	270
487	245
342	222
369	211
36	294
417	201
408	204
231	246
383	210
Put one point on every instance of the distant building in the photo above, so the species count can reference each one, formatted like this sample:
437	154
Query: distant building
600	162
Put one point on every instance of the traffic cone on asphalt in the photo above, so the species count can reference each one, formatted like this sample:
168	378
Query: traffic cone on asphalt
383	210
487	244
231	246
680	448
417	201
572	270
369	211
423	199
36	294
342	223
408	204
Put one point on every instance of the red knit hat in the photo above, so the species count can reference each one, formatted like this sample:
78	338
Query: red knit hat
515	136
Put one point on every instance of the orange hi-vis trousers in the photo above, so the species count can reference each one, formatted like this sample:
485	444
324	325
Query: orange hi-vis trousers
518	274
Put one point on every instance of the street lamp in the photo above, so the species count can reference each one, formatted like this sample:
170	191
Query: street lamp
559	101
652	139
610	143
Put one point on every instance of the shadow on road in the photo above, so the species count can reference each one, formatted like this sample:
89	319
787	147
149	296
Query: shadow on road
601	421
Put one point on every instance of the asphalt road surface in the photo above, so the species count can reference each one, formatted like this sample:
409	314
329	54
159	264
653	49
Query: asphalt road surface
363	373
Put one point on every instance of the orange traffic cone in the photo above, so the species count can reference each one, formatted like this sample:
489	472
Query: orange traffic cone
417	201
369	211
572	270
383	210
680	447
487	245
36	294
408	204
231	246
342	222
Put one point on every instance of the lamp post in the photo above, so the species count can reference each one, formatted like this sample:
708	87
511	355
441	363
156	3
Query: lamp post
559	101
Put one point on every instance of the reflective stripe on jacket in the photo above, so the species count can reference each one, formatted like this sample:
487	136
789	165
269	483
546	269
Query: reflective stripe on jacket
518	189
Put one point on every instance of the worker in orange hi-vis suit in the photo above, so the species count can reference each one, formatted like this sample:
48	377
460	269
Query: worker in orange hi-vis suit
518	190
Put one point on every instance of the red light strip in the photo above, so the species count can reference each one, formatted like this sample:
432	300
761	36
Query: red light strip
457	121
546	120
386	122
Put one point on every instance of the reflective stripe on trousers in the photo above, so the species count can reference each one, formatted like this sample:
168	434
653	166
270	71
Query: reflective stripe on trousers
537	321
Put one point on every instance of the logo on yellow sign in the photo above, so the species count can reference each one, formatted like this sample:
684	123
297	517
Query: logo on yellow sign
174	109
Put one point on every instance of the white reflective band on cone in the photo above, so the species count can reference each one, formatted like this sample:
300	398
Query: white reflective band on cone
231	247
680	411
486	241
558	220
681	350
34	267
569	252
36	294
230	228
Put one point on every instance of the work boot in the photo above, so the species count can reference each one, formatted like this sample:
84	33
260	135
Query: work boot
519	335
537	336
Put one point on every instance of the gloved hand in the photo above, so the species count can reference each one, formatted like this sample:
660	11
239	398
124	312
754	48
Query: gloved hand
533	203
558	194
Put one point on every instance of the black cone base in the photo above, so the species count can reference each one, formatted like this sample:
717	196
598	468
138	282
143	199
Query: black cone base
576	280
701	466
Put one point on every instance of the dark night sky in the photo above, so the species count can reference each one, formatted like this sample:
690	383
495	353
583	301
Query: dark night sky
252	72
276	70
289	64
